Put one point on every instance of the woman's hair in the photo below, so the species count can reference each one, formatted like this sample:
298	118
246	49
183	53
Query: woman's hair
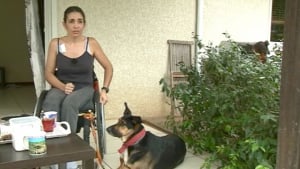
73	9
261	47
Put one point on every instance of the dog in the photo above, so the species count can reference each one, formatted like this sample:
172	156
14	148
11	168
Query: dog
143	150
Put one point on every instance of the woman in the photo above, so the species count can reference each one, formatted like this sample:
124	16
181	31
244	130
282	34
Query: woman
69	69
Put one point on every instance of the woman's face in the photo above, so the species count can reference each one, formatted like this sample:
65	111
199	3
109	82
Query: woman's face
74	24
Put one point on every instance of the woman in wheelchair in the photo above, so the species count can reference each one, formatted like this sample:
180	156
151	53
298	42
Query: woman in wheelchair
70	67
70	71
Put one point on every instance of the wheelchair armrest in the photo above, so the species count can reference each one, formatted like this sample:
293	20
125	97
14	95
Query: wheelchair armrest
43	94
96	96
40	100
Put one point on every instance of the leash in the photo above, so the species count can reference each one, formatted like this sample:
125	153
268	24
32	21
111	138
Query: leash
90	116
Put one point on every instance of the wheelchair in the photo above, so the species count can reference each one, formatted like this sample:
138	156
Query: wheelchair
95	108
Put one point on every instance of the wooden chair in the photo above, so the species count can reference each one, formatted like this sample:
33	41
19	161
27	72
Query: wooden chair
179	51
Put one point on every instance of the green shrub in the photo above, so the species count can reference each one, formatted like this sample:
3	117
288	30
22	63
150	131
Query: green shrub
229	107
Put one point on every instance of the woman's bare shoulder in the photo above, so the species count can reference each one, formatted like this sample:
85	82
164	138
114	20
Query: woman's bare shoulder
92	40
54	41
94	44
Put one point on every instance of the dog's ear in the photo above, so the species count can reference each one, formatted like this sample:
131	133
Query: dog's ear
127	111
136	119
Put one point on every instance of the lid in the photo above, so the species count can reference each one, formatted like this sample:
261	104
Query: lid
24	120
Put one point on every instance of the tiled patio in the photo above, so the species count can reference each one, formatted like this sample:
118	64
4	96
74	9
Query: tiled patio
17	100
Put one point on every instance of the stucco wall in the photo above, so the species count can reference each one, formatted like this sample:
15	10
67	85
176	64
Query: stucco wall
244	20
134	34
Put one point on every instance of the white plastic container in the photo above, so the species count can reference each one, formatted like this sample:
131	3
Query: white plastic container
21	128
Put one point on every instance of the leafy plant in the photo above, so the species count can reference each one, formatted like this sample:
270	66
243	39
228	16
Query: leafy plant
229	107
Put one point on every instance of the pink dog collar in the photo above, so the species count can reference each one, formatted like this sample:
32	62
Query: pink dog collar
132	141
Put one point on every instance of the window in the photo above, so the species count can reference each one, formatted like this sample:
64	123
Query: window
277	25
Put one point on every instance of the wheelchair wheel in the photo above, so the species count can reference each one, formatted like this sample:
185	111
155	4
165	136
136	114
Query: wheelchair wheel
100	125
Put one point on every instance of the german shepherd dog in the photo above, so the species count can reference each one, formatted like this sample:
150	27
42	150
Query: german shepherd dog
143	150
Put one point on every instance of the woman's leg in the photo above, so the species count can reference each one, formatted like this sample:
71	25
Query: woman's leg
73	103
53	100
57	100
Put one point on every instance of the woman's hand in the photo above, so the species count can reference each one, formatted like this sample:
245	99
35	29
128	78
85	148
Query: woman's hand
69	87
103	97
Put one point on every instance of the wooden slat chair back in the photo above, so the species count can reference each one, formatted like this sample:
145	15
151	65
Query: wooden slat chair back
179	51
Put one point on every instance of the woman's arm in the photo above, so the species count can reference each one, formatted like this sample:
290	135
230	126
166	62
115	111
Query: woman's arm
50	66
106	65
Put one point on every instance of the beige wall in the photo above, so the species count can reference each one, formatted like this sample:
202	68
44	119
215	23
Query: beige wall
134	34
244	20
14	51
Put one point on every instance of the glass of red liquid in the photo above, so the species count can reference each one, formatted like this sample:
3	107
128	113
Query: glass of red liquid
48	124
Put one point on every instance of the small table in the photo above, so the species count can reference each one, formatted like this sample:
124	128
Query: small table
59	151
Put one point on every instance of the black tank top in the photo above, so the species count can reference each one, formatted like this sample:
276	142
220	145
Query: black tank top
78	71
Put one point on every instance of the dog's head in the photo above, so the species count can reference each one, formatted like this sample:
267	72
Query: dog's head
126	126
